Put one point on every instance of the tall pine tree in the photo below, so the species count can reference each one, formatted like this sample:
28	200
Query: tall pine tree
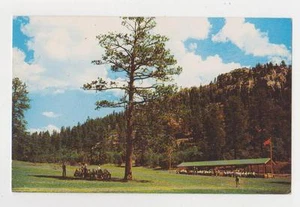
141	55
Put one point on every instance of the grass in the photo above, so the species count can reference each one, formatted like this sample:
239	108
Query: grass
44	177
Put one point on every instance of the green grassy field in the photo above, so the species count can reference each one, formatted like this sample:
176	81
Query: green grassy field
42	177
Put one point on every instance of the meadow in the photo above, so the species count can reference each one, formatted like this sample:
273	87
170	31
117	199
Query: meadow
45	177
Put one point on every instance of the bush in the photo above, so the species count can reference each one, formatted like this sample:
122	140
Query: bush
187	155
114	157
152	159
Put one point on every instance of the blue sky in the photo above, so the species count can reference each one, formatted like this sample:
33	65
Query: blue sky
52	55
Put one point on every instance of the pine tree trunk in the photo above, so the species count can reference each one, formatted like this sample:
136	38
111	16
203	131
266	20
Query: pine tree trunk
129	132
128	163
129	144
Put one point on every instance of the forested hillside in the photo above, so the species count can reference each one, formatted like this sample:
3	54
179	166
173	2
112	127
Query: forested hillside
229	118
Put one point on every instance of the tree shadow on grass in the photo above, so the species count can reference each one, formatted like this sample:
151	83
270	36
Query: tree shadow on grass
56	177
87	179
123	181
282	182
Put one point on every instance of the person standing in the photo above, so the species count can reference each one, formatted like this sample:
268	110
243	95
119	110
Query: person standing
64	169
237	181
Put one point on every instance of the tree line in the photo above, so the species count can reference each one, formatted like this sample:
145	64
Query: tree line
229	118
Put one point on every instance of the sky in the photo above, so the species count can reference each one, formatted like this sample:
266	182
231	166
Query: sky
53	55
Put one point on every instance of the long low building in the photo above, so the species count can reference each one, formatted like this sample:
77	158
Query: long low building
259	165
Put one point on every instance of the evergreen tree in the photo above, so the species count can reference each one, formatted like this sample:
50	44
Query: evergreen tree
214	126
236	120
141	55
20	103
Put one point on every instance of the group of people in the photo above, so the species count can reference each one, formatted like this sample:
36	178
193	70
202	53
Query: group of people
85	173
212	172
236	174
241	174
83	170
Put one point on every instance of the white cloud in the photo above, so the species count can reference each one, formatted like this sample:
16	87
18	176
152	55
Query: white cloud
50	114
64	47
51	128
27	72
251	40
60	38
181	28
198	71
34	74
63	50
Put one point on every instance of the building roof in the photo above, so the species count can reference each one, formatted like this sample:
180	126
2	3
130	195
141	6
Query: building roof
225	162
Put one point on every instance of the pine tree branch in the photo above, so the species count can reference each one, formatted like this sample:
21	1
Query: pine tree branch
109	104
